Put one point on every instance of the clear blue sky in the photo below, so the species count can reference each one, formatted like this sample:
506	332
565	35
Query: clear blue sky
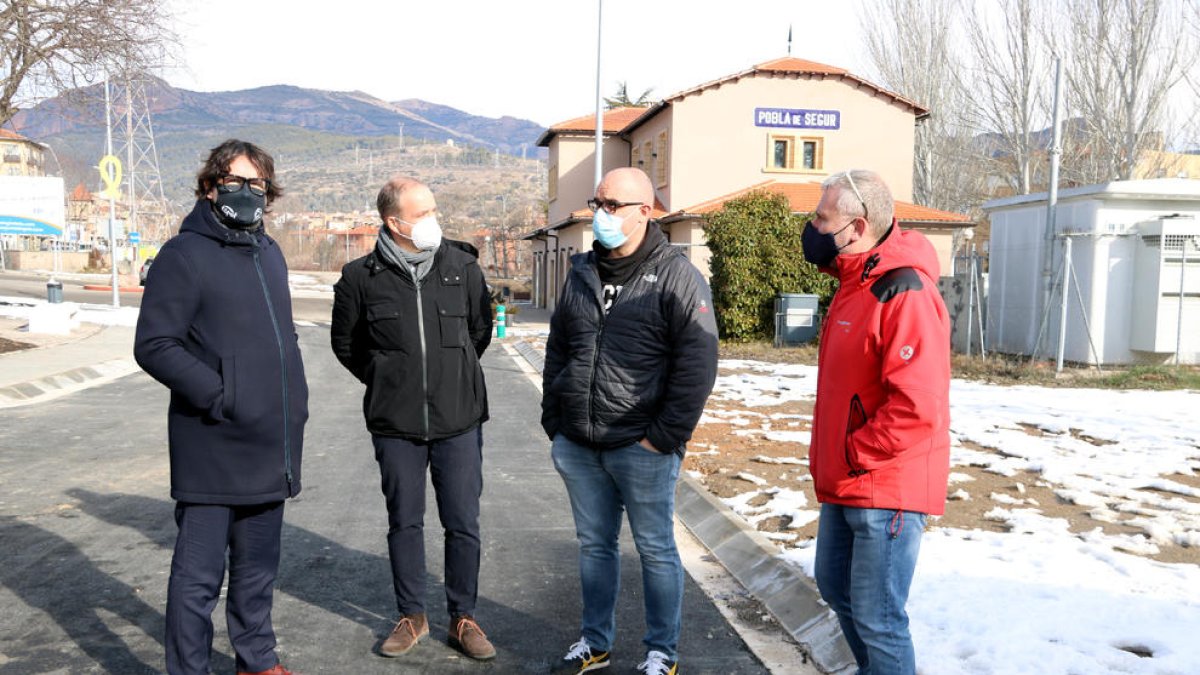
534	59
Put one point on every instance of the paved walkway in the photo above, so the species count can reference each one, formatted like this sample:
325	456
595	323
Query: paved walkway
86	521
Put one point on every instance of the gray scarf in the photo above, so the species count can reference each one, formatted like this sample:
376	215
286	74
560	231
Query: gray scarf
416	264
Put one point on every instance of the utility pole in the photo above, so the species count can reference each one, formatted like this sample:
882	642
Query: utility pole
1052	197
599	99
112	206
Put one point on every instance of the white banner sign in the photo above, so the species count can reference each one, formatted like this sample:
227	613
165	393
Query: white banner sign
32	205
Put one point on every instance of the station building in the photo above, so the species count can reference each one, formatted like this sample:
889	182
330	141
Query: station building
781	126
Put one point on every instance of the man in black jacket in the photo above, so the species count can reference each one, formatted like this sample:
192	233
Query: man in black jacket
630	361
410	321
216	328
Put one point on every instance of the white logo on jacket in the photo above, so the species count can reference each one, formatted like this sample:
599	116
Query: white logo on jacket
906	352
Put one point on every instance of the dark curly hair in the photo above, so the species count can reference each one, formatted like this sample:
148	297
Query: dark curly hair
217	165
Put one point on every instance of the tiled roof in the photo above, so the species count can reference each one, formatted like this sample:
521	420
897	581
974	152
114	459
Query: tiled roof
12	135
81	194
614	121
799	67
803	198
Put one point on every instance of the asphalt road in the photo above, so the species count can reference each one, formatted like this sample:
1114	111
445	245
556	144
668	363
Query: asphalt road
87	531
24	285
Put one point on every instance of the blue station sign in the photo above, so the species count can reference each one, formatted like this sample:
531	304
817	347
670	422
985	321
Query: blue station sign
791	118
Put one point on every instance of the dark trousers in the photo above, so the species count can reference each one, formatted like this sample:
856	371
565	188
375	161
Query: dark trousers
206	531
456	466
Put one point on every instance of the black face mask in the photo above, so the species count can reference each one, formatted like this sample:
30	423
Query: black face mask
820	249
241	208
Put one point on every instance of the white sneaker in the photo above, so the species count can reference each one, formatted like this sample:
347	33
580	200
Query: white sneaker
657	663
581	659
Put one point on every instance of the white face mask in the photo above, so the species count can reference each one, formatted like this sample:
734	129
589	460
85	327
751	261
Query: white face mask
426	233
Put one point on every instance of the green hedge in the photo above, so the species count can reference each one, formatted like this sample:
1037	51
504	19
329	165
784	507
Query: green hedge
756	255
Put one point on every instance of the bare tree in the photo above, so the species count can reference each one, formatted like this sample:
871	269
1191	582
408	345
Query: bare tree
1009	67
51	46
912	46
1126	56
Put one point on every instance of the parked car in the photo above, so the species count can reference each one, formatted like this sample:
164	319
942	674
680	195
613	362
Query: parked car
145	270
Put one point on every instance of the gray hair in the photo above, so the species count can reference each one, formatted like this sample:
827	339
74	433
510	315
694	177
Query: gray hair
863	193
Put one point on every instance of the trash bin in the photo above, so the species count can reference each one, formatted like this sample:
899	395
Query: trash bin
54	291
796	320
500	321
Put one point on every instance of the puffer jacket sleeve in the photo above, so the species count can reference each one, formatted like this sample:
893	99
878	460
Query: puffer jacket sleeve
555	361
345	330
914	345
687	306
170	302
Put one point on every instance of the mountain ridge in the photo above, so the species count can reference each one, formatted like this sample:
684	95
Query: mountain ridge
355	113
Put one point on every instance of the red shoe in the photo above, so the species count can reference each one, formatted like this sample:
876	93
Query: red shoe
277	669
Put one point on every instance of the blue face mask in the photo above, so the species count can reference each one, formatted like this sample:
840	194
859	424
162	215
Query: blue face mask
606	228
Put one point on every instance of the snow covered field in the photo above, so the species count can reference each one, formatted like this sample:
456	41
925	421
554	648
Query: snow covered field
1039	598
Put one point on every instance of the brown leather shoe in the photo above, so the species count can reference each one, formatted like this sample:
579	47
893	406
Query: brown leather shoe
468	637
409	629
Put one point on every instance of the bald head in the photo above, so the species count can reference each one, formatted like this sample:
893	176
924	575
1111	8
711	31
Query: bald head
627	184
388	201
629	195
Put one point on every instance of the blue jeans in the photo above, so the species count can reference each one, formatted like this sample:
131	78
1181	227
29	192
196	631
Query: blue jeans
864	567
642	483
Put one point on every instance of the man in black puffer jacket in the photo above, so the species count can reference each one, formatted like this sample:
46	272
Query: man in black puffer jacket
216	328
630	361
410	321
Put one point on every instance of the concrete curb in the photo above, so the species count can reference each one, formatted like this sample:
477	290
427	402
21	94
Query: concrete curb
790	596
66	382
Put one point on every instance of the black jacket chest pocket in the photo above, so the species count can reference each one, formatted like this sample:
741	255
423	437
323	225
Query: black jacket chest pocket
452	309
387	325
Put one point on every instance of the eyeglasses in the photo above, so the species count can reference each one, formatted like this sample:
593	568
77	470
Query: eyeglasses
610	205
231	183
850	179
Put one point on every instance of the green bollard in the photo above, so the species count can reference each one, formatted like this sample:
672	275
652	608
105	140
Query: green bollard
500	321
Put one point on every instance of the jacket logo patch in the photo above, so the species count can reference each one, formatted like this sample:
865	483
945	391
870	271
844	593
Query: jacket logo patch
650	278
906	352
703	307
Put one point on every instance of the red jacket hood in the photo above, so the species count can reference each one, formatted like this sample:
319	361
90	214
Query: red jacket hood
898	248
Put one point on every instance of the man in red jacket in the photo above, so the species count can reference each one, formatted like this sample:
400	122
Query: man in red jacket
880	450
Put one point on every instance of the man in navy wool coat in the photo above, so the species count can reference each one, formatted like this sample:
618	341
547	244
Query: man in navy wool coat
216	328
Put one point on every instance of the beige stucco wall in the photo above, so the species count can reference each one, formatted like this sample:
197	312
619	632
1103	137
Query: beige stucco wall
68	261
574	159
21	158
648	133
943	243
717	149
689	234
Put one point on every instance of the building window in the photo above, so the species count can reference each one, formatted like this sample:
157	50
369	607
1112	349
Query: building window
782	153
660	162
791	153
552	183
810	158
635	157
648	158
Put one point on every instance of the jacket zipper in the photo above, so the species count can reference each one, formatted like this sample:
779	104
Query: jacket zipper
287	446
412	271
